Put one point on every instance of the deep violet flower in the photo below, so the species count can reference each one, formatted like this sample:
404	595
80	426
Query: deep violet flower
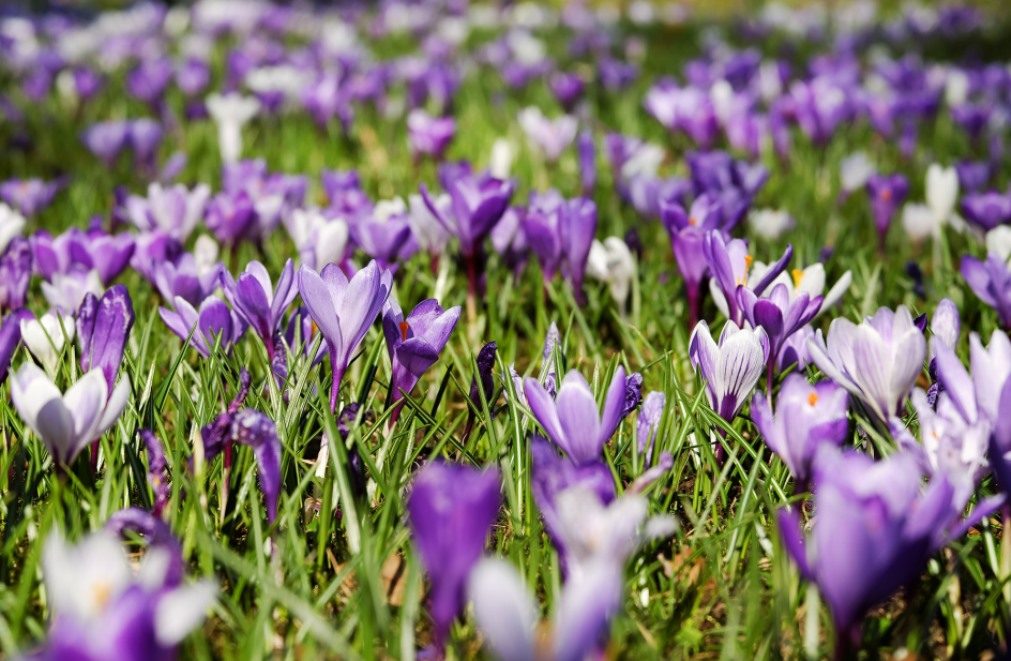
414	342
157	471
93	249
730	266
259	303
213	324
887	193
560	232
15	274
477	204
343	310
451	509
429	136
103	327
10	338
987	210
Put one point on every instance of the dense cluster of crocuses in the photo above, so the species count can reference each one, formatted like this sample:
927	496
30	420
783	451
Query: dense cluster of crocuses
424	328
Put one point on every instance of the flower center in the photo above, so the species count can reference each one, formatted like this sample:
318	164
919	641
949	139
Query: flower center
798	276
404	327
886	194
101	592
693	221
812	398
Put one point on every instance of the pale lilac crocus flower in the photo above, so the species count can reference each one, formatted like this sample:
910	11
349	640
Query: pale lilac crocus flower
730	368
549	136
877	361
343	310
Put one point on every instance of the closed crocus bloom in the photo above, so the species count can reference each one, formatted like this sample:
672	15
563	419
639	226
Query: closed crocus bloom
887	193
10	337
105	605
501	161
415	342
920	222
572	420
648	424
549	136
730	368
990	280
320	240
945	324
384	233
998	242
67	422
451	509
770	223
103	327
29	196
854	171
106	140
942	191
259	303
343	310
214	324
477	203
612	262
15	274
877	361
45	338
231	112
806	417
874	530
12	224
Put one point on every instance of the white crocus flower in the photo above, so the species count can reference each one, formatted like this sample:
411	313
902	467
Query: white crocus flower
920	221
431	235
502	155
12	224
998	242
612	262
942	192
854	171
231	112
770	223
45	338
67	422
320	241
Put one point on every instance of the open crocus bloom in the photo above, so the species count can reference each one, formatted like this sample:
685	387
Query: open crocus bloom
67	422
104	609
877	361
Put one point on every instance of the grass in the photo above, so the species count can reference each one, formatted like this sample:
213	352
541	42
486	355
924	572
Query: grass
344	581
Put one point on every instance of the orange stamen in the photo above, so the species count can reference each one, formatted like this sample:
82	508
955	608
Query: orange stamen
404	327
812	398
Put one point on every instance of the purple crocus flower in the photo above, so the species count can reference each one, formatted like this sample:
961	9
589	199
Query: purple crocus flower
157	471
730	368
874	530
887	193
384	232
451	509
29	196
10	338
549	136
781	313
104	608
415	342
103	327
648	424
145	137
343	310
173	210
560	232
108	254
572	420
687	233
586	152
67	422
429	136
477	204
877	361
15	274
987	210
211	325
730	265
255	299
806	417
990	280
106	140
567	89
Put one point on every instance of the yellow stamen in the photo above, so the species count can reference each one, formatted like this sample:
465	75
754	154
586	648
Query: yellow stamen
101	592
812	398
748	261
798	276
